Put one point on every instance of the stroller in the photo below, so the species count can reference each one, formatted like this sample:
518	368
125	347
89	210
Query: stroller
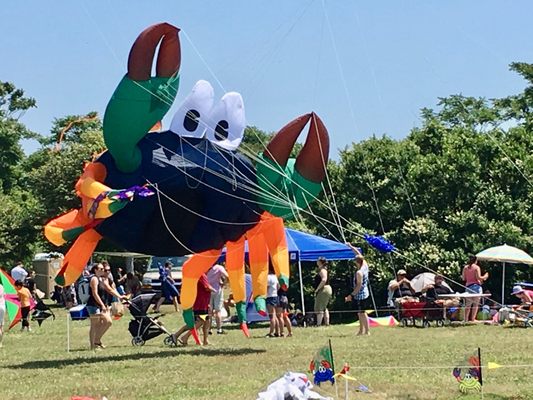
142	327
41	312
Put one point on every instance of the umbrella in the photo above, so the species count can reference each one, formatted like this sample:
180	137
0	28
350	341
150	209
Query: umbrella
12	300
505	254
420	281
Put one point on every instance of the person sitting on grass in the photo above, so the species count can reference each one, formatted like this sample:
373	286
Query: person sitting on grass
229	303
201	313
526	300
24	296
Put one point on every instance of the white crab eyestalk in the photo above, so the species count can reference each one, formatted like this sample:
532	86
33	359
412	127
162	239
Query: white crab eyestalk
190	119
226	122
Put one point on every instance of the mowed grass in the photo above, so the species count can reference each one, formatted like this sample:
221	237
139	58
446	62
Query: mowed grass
36	365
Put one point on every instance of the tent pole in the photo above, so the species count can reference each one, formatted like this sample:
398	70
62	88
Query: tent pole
301	286
68	331
373	300
503	284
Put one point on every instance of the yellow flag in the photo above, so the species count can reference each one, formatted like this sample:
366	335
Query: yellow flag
493	365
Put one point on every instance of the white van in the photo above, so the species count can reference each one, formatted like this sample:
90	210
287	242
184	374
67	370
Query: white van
150	281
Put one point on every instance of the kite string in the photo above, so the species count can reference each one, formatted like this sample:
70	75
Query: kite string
168	102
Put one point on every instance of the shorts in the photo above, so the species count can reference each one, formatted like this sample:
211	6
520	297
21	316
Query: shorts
169	291
93	310
2	315
272	301
216	302
322	298
283	302
202	315
474	288
360	305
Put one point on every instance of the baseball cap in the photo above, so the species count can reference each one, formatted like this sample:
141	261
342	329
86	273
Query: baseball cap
517	289
401	272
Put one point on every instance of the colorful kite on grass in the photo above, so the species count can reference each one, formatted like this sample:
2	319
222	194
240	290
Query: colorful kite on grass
190	190
470	379
12	301
322	365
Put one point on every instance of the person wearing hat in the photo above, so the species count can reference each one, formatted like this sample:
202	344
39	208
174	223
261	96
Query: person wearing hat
323	292
400	289
432	292
525	296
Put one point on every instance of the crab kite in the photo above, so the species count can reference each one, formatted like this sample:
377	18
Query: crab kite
187	190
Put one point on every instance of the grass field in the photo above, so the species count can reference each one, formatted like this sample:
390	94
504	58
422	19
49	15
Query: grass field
36	365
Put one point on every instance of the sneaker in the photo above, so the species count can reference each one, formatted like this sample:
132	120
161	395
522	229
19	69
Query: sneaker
211	332
220	332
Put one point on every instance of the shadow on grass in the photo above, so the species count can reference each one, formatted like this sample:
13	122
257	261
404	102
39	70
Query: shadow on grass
66	362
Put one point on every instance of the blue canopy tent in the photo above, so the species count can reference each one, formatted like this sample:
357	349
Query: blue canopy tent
306	247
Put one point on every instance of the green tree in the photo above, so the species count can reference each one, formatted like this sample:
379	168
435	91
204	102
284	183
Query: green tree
13	105
51	173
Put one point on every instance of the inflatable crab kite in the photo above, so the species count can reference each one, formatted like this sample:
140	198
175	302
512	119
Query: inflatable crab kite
187	190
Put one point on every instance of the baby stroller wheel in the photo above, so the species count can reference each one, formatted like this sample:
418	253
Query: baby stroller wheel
440	323
169	342
405	322
426	324
137	341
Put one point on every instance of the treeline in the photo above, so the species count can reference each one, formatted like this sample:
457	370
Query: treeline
457	184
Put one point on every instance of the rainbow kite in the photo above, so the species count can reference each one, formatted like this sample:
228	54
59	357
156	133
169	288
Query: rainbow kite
12	299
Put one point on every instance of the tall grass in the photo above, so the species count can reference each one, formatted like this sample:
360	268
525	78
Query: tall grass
36	365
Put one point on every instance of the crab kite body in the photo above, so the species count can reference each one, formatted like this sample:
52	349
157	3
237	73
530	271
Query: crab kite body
187	190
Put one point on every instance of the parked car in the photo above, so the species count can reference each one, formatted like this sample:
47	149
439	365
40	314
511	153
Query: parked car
150	280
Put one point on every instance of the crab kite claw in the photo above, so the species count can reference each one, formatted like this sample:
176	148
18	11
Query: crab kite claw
140	101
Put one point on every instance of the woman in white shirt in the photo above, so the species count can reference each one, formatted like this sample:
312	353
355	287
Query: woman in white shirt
272	302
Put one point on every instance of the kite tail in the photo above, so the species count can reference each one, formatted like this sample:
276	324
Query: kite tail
235	268
65	227
77	257
274	234
258	254
193	269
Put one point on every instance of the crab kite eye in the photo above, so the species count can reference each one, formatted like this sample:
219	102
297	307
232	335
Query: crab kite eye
189	119
321	369
226	122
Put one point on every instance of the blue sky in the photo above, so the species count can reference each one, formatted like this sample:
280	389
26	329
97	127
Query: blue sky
284	57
